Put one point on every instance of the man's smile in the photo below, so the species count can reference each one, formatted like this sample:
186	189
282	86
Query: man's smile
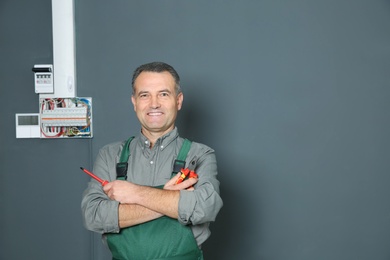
154	113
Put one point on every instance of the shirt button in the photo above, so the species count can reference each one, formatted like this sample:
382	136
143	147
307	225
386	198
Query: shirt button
151	162
162	147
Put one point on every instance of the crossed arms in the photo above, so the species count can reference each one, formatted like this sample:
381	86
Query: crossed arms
139	204
122	204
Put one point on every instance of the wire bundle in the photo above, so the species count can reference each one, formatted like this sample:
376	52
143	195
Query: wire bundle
65	105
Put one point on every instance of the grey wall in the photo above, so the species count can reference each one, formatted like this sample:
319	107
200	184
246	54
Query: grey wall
293	95
40	184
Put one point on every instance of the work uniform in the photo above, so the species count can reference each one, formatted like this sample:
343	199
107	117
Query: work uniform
153	167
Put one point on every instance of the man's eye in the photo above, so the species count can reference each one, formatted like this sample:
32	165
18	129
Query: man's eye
164	94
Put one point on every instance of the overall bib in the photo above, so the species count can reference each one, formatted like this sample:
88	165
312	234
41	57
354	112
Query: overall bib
160	239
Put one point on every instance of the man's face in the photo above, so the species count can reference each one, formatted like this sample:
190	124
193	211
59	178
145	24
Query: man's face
155	102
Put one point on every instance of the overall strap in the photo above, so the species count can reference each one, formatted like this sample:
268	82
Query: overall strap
180	161
122	165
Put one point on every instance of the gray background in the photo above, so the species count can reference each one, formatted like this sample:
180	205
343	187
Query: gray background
293	96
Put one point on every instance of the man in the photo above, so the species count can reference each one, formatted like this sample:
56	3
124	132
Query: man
144	212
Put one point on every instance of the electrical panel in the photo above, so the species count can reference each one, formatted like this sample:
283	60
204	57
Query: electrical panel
65	117
61	113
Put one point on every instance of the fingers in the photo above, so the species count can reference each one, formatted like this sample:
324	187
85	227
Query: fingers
185	185
121	191
173	180
189	183
109	186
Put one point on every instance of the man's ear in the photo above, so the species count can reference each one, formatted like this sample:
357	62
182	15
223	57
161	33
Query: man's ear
180	98
133	101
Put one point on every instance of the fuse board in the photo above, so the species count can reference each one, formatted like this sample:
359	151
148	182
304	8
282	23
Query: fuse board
65	117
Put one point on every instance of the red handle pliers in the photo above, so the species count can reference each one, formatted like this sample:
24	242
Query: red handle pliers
189	171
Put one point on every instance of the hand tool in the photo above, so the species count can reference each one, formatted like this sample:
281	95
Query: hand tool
188	171
103	182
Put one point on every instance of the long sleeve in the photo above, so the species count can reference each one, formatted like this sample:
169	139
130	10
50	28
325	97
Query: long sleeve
201	206
100	214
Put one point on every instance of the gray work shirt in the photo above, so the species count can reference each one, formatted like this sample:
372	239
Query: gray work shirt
153	167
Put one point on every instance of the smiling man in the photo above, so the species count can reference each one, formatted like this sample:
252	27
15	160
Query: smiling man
156	101
144	212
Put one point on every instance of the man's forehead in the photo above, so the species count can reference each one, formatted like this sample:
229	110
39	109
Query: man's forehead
154	81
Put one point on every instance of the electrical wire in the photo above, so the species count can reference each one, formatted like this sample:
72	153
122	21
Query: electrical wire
48	104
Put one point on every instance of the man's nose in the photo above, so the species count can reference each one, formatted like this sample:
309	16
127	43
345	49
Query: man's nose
154	103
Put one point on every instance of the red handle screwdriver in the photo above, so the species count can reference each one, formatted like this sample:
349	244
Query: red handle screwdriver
103	182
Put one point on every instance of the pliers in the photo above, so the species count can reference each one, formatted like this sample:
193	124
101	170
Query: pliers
189	171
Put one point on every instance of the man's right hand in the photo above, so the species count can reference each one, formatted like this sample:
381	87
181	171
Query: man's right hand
185	185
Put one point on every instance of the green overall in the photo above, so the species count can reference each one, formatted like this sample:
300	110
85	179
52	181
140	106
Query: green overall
162	238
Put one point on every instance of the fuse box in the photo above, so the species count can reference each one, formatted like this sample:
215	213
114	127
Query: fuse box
65	117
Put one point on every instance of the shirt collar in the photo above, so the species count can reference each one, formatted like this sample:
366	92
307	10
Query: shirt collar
161	142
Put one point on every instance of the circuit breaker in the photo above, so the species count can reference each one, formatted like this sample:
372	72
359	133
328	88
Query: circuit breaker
43	78
66	117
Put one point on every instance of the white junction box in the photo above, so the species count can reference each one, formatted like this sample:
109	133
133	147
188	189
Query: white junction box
27	125
43	78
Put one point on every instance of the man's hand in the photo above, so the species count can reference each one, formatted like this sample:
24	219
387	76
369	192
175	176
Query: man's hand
123	191
185	185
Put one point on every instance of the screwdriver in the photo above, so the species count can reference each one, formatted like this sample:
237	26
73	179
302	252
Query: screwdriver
103	182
